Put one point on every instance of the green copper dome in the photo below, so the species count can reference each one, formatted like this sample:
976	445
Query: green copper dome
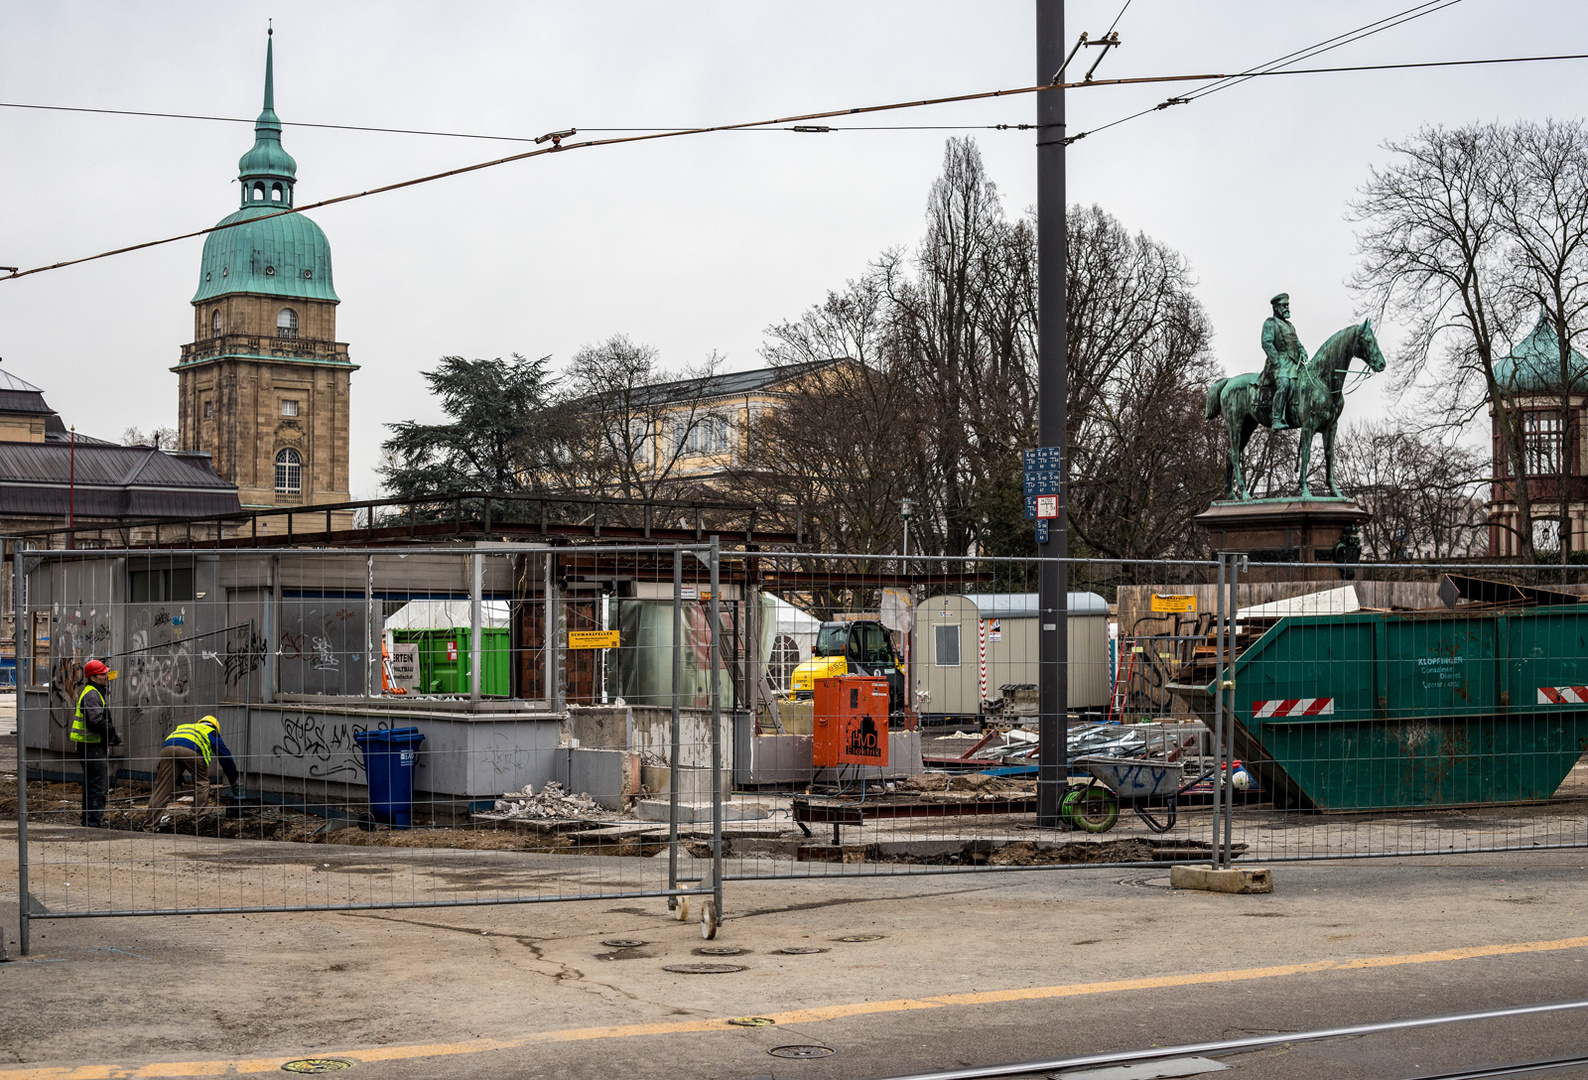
1534	365
283	255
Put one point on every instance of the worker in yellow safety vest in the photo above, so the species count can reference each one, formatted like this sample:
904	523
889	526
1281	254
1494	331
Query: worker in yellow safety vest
190	748
94	735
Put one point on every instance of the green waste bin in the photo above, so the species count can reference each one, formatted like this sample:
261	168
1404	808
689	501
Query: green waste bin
444	659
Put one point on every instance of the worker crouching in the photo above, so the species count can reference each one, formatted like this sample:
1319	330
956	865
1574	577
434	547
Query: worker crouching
190	748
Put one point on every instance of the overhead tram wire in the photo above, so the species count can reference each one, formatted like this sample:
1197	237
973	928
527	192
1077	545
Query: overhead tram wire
1367	30
476	135
558	147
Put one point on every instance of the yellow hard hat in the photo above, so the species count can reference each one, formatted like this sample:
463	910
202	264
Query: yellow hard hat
212	722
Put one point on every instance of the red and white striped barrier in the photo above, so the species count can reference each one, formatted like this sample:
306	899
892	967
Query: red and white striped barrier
1306	706
1563	695
981	649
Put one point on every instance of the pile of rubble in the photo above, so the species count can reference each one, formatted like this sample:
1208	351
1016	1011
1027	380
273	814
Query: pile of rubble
551	802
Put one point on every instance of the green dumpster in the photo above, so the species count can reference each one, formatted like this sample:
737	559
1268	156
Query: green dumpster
1376	710
444	659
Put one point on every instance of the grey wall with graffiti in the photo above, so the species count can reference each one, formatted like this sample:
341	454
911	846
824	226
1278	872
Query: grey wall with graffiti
315	753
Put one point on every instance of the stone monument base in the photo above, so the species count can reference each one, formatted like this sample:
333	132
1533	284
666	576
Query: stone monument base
1299	531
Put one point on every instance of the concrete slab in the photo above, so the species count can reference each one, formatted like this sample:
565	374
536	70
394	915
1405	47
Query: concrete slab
1209	879
690	812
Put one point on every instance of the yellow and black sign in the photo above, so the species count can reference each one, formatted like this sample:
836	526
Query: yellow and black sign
1174	603
592	639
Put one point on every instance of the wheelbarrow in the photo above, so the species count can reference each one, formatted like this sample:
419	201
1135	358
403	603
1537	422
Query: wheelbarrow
1142	784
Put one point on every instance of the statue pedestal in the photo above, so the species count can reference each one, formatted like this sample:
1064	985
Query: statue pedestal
1299	531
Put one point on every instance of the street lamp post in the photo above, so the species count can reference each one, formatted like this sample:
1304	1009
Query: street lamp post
904	509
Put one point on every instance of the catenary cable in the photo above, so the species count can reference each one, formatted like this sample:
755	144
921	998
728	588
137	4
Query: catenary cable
858	110
1367	30
469	134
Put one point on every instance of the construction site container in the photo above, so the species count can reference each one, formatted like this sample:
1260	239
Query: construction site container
1441	708
966	647
444	659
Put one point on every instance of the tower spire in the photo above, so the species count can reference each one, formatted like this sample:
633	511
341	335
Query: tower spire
270	67
267	171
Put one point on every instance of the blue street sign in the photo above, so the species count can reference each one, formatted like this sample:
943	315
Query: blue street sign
1044	474
1042	530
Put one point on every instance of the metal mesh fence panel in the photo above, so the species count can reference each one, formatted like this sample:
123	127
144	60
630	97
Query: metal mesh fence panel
290	730
516	723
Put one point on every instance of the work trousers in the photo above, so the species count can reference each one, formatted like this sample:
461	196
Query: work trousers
96	782
173	761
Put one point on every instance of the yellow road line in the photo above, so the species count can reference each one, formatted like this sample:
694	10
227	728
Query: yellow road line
796	1016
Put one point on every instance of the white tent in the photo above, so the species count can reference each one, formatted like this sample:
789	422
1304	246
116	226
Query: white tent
445	614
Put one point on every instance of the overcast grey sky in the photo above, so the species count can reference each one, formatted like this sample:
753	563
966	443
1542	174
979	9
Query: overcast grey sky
691	245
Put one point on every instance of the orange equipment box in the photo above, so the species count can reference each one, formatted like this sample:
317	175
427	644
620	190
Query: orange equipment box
851	721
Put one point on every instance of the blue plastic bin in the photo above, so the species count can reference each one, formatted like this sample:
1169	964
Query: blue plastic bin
389	759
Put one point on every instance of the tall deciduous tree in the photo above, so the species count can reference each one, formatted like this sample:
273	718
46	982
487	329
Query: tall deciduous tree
1468	237
632	421
1423	492
942	394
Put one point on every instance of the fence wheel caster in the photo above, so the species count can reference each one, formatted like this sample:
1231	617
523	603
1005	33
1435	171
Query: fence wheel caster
708	919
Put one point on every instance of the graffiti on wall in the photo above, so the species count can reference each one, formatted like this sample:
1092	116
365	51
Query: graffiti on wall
158	670
325	745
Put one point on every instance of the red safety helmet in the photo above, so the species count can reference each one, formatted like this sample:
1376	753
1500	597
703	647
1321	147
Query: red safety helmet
94	669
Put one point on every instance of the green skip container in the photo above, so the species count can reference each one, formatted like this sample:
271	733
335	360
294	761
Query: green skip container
444	659
1435	709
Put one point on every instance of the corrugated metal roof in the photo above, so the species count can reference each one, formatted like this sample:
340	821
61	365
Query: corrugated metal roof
105	463
23	401
1025	605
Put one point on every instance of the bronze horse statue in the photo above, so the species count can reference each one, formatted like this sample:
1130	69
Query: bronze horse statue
1315	406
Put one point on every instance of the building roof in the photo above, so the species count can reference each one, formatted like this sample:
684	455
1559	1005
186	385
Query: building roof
9	381
1534	365
730	384
1025	605
284	255
109	481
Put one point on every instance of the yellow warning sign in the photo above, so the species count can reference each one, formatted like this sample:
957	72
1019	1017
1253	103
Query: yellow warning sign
592	639
1173	603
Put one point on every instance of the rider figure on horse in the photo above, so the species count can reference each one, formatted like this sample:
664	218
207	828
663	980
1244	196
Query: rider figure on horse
1285	359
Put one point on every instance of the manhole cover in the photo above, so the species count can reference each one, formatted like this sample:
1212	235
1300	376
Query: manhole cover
862	937
316	1065
720	950
1146	883
704	969
802	1051
624	943
752	1021
801	950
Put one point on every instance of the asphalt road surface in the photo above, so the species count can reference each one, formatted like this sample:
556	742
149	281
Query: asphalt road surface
961	970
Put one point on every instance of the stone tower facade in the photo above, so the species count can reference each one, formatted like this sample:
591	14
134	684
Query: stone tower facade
263	387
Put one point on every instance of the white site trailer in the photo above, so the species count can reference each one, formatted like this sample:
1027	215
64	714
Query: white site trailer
967	646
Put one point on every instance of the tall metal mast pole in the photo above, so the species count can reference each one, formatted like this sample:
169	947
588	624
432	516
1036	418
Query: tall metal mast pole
1052	390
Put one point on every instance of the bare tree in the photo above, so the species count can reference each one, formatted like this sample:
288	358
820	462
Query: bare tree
634	421
1423	492
1542	185
962	330
1143	459
160	438
1437	254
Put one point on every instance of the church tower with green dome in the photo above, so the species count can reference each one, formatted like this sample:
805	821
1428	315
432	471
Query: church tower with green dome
263	387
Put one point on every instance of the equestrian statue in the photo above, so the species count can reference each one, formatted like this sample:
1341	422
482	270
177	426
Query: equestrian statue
1291	392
